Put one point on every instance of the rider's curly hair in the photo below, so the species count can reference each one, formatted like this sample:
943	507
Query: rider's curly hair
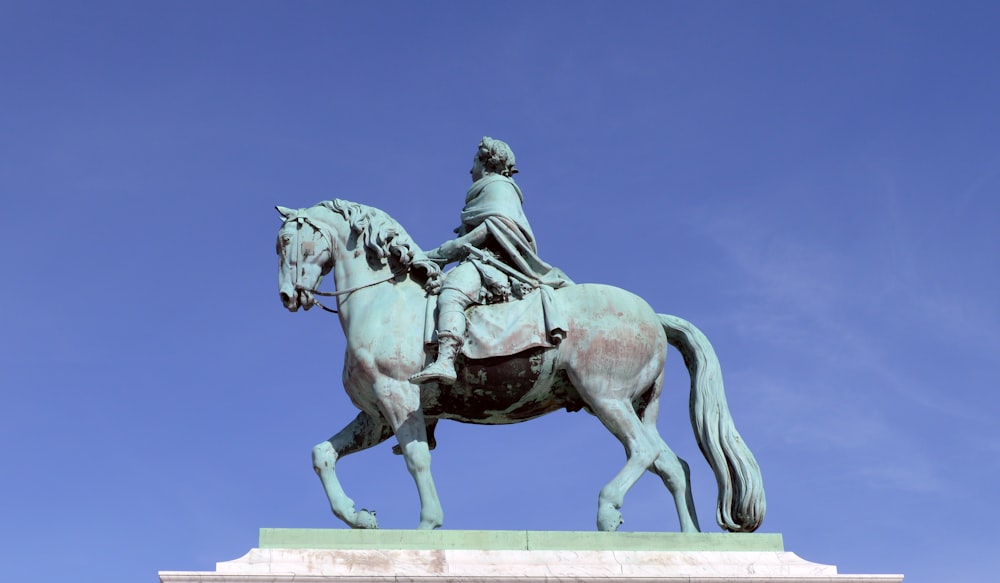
497	157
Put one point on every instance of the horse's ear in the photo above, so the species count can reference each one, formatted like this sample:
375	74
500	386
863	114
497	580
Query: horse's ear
284	211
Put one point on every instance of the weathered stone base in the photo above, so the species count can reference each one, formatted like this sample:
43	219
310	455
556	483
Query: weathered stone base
345	556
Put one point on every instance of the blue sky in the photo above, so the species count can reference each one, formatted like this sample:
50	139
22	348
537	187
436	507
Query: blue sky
813	184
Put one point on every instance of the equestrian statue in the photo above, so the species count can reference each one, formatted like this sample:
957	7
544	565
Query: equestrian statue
502	337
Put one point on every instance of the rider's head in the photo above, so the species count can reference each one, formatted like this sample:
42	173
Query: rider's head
494	157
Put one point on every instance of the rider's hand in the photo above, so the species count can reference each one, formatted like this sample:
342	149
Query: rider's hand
435	277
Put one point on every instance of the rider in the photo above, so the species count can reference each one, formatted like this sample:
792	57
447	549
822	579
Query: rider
493	222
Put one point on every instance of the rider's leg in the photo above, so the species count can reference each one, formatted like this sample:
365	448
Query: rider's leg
450	333
461	286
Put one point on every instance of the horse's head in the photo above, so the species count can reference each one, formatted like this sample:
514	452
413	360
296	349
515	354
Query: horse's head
305	254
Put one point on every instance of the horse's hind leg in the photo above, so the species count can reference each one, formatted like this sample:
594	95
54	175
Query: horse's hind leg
676	476
364	432
673	470
641	451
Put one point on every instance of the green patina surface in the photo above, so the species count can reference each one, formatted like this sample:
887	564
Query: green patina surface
614	359
500	540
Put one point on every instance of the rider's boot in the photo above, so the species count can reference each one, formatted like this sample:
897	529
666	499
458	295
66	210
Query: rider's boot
450	340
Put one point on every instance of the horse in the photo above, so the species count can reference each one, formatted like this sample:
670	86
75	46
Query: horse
610	364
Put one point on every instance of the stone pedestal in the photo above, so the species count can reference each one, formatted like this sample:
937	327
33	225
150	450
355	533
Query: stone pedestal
401	556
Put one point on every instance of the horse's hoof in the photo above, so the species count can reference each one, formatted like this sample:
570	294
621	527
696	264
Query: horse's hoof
609	519
366	519
429	525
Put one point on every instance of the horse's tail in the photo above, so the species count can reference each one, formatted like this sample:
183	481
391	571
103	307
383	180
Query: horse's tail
741	489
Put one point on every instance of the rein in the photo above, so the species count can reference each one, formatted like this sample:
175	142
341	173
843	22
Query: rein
337	293
298	288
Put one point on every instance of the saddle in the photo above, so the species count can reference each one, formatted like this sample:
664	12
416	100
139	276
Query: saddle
507	328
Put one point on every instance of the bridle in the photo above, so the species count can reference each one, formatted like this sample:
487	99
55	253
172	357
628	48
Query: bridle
345	292
308	249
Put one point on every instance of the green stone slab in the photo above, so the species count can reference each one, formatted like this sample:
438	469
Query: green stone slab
502	540
652	541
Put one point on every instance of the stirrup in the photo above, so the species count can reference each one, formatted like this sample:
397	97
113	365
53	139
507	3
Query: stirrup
440	372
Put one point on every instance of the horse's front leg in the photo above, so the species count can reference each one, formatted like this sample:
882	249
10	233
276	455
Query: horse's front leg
364	432
404	414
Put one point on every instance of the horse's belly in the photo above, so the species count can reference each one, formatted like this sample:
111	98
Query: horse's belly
503	390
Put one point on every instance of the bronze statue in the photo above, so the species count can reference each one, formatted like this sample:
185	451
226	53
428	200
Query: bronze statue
535	343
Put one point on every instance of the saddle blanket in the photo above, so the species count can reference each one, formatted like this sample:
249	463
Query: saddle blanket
506	328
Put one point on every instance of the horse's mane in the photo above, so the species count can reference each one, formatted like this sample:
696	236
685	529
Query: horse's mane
382	237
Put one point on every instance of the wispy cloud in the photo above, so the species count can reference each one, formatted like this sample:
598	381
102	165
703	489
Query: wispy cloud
846	321
990	174
909	474
814	299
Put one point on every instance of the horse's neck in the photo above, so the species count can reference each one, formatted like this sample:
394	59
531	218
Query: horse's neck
373	293
383	311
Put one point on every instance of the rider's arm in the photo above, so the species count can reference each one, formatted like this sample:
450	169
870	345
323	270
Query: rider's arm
454	250
476	238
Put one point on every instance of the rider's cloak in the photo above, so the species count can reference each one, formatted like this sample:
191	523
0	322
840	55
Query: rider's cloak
495	200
